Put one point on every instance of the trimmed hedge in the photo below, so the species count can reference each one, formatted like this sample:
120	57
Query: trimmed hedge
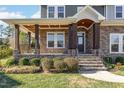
35	61
59	65
10	62
108	59
46	64
24	61
72	64
120	60
108	63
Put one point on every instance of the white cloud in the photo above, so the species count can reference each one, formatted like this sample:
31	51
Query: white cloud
4	14
36	15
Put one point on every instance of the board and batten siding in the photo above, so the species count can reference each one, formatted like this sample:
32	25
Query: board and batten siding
71	10
110	12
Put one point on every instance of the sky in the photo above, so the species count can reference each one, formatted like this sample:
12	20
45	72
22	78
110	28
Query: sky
18	11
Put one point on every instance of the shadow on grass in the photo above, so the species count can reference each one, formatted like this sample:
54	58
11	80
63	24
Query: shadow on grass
7	82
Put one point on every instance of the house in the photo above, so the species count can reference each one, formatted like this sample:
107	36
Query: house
73	30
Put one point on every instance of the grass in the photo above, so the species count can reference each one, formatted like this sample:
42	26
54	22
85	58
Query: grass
119	72
52	81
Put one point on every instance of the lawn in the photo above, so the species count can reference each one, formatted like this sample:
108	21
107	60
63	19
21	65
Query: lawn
119	72
52	81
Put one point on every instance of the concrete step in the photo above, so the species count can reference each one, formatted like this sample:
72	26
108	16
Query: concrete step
90	65
89	59
90	62
91	68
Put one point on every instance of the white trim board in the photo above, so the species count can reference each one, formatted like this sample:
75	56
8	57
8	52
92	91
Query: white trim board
55	43
56	10
120	43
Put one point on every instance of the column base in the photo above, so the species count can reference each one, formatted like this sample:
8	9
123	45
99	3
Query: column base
72	52
16	54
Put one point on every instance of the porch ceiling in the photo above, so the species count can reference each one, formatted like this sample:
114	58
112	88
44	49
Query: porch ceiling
41	21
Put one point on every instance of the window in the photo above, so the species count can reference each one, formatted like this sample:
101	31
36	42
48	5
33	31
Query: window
50	38
55	40
117	43
56	12
61	12
51	12
119	11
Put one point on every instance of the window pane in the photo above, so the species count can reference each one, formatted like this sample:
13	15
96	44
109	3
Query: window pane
118	11
118	15
60	12
115	48
60	40
51	11
50	39
114	39
118	8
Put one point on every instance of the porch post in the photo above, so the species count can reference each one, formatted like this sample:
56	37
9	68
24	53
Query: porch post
29	41
37	45
17	46
96	37
72	43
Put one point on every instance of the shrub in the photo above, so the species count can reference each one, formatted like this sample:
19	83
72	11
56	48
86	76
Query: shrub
0	64
46	64
59	65
120	59
108	59
35	61
5	52
24	61
10	62
72	64
22	69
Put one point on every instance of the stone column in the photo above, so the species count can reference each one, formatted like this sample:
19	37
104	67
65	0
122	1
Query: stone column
29	42
17	46
96	37
72	39
37	45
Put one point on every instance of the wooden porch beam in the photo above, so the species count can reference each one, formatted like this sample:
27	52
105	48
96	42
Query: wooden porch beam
29	41
37	45
17	32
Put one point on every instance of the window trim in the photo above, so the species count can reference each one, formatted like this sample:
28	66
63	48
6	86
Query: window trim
56	10
120	43
122	12
55	41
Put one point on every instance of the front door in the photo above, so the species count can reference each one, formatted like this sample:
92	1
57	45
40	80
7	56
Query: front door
81	42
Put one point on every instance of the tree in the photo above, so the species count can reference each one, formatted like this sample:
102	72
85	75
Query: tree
5	33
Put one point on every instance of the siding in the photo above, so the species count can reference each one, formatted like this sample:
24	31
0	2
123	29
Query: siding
100	9
110	12
43	11
70	10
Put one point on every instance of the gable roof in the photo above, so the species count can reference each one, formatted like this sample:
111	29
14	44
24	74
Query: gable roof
89	13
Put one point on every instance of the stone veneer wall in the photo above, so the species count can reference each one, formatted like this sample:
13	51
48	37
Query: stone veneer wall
105	41
43	42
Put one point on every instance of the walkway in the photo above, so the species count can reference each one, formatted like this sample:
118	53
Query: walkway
104	76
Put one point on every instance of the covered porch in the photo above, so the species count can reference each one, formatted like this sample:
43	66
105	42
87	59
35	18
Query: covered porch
71	36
